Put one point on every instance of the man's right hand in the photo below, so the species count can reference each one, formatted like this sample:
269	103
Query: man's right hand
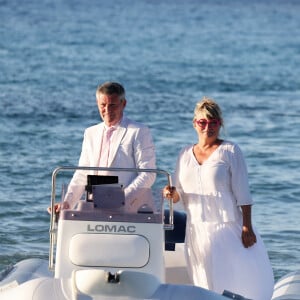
58	207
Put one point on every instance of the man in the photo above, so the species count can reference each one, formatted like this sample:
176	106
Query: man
128	145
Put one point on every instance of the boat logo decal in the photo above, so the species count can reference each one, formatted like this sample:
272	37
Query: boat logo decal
111	228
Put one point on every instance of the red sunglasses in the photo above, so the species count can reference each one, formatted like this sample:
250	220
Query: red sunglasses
211	123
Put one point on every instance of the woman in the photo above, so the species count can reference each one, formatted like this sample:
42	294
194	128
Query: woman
223	250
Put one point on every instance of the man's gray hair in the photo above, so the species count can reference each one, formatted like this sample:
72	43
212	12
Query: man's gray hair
110	88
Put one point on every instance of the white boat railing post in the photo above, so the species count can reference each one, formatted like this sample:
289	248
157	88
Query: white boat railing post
170	225
53	220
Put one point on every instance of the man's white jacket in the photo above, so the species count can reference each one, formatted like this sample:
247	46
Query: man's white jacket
132	147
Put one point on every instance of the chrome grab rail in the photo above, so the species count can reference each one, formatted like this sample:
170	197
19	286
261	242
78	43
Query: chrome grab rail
52	230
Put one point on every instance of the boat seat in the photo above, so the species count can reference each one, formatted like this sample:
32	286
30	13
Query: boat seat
103	250
177	235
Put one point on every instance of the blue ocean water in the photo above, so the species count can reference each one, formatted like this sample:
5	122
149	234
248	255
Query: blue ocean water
168	54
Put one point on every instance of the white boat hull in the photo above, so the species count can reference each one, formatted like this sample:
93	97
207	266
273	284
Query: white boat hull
31	279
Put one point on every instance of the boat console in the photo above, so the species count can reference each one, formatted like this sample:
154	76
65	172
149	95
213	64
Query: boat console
100	239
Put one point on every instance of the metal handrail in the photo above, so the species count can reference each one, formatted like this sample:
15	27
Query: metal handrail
52	230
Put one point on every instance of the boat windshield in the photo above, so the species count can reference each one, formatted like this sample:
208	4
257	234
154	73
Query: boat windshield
113	203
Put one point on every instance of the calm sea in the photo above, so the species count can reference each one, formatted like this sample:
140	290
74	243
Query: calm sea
168	54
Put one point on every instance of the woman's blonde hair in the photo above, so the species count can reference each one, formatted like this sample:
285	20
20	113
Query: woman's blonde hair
209	109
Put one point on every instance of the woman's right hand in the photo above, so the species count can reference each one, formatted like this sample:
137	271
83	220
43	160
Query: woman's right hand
169	192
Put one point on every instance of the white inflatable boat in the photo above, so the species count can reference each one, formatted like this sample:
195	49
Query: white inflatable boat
101	251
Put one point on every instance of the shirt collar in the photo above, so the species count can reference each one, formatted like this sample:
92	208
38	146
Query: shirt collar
114	126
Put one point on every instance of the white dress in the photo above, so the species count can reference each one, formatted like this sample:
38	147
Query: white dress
211	194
